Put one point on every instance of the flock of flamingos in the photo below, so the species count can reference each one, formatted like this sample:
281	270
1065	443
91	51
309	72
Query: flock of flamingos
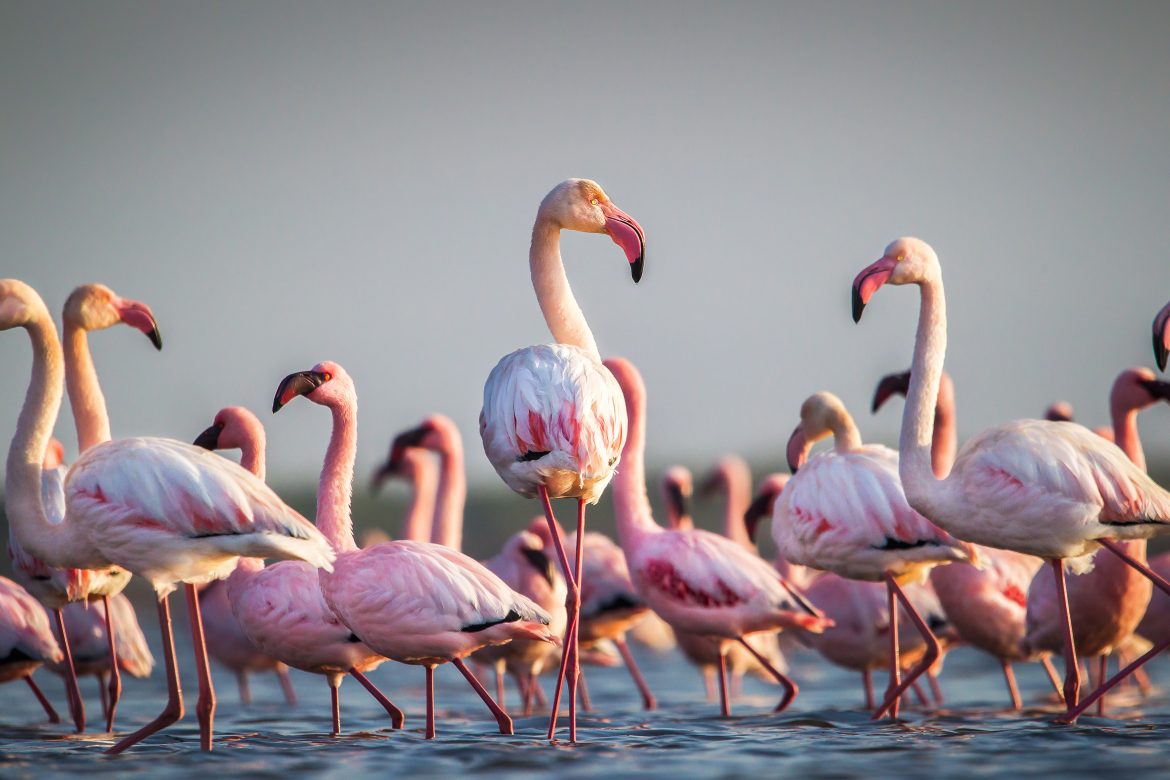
955	541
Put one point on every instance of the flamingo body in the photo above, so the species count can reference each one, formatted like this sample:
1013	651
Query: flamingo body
26	641
85	625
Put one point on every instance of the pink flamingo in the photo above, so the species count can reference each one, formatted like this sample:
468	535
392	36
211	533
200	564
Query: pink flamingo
1107	604
844	511
89	307
986	605
280	608
762	506
553	421
418	468
164	510
1162	336
1048	489
25	641
678	488
412	602
438	433
85	625
697	581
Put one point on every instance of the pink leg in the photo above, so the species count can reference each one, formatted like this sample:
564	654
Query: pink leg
501	716
36	689
922	700
895	654
104	692
790	689
500	664
1142	681
1009	677
1053	677
115	688
335	700
583	693
290	693
574	667
935	689
1072	669
525	693
244	688
572	605
867	680
932	647
537	692
174	709
72	689
1102	670
397	717
648	701
430	684
205	707
736	684
709	682
724	692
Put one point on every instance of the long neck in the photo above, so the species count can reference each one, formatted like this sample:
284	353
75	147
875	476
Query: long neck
336	486
1125	432
449	505
846	437
915	466
85	394
424	480
54	543
946	439
252	455
630	500
561	312
737	485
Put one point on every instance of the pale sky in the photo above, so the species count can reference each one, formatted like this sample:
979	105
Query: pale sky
287	183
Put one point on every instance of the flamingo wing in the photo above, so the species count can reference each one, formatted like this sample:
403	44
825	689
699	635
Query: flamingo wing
24	626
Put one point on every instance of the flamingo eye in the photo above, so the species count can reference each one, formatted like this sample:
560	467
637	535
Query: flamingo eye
900	258
328	376
594	201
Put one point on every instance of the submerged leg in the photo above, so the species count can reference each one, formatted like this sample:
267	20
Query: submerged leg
501	716
72	689
499	669
648	700
1072	668
36	689
397	716
174	709
709	682
572	604
724	691
290	693
104	692
205	707
583	694
115	686
935	689
1053	677
574	666
1009	677
932	647
243	687
335	700
867	681
430	685
790	689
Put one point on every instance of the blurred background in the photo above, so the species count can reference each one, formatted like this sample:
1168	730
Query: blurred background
288	182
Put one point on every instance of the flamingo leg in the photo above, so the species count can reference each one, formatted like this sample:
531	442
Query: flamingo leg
724	693
790	689
573	607
1053	677
574	667
1072	669
205	707
1102	670
335	700
583	693
648	700
1076	710
736	683
1142	681
397	716
1009	677
525	693
173	712
932	648
244	688
867	681
115	686
104	692
935	689
537	692
895	654
430	686
922	700
72	689
36	689
499	667
290	693
709	682
501	716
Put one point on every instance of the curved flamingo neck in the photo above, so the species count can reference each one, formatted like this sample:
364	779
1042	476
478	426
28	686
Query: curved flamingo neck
335	489
57	544
630	499
252	453
452	496
561	312
424	481
737	496
945	442
1125	431
846	437
85	394
915	444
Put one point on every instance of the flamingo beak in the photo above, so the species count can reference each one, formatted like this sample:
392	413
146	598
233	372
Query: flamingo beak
1157	388
138	315
1162	336
300	383
889	386
679	501
209	439
1058	412
541	562
384	472
868	282
758	509
628	234
797	449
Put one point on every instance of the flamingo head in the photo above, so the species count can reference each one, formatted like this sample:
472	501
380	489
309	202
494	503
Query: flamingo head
20	305
234	428
820	415
762	505
407	449
539	528
326	383
889	386
677	489
54	454
531	548
1059	411
1162	336
581	205
905	261
407	464
95	307
1136	389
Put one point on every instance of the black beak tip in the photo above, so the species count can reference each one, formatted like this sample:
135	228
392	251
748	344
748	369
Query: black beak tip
1160	351
276	404
155	338
858	305
792	467
209	439
636	268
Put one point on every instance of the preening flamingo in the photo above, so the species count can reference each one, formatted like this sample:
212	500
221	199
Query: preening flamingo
697	581
26	641
280	608
844	511
167	511
412	602
418	468
1162	336
553	421
1042	488
89	307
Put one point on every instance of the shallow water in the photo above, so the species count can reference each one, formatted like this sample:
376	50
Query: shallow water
824	734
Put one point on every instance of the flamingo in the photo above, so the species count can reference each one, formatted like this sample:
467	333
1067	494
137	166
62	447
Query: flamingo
26	641
762	506
437	433
89	307
86	628
844	511
986	605
1162	336
697	581
677	489
553	421
412	602
1042	488
1107	604
280	608
166	511
417	467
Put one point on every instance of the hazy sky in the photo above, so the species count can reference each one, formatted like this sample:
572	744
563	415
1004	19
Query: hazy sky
287	183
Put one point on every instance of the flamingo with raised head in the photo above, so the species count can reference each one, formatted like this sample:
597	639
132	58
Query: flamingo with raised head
167	511
697	581
844	511
418	468
412	602
26	641
553	421
1162	336
678	488
437	433
761	507
280	608
1042	488
90	307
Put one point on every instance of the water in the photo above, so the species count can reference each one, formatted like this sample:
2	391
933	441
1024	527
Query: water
825	734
